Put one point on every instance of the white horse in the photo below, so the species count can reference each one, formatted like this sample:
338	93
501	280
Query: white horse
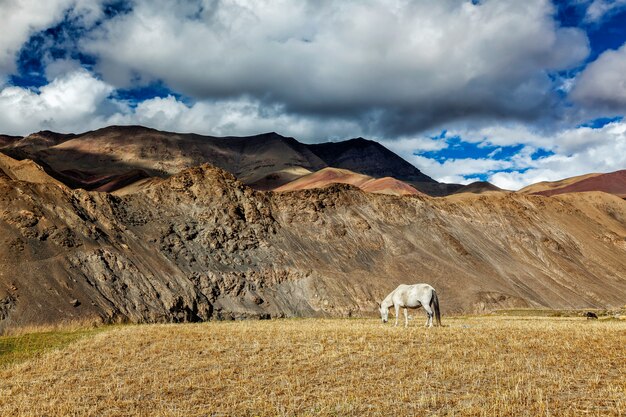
412	296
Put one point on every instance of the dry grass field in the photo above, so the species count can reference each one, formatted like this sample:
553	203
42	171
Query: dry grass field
476	366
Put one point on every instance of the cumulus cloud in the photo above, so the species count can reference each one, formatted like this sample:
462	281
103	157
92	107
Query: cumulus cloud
387	68
577	151
74	102
19	19
506	134
78	101
233	117
443	60
569	152
458	171
603	82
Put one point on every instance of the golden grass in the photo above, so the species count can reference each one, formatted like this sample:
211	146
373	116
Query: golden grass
603	314
489	366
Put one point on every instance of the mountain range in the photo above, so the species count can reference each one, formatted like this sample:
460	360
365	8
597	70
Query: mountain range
184	229
116	157
94	159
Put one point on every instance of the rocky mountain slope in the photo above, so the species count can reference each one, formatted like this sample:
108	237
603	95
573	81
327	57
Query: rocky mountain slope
8	140
200	245
369	158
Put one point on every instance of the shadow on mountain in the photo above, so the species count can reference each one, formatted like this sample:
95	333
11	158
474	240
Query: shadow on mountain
118	154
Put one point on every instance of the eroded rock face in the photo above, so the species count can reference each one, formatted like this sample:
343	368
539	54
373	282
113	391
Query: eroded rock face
200	245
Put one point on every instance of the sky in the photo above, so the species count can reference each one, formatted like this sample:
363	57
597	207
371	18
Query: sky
507	91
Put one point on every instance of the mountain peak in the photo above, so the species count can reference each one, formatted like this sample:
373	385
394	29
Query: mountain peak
361	139
368	157
127	129
271	134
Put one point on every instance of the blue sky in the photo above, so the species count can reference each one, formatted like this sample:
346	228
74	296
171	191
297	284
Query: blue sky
500	90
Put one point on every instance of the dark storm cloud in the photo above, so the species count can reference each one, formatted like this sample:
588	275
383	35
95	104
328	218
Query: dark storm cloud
414	64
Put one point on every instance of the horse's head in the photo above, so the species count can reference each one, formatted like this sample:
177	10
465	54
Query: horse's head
384	313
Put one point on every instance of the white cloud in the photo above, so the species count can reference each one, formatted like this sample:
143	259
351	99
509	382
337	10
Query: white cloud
505	134
60	67
78	101
571	152
409	145
456	170
576	151
21	18
237	117
603	82
74	102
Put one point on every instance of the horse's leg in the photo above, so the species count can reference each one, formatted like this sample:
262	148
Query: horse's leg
406	317
397	308
429	311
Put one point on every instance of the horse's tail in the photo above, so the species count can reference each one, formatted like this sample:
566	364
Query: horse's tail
434	303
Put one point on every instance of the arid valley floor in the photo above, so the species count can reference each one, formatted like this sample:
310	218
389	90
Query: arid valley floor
474	366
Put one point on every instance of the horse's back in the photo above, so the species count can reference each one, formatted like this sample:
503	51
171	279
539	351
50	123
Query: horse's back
413	295
421	288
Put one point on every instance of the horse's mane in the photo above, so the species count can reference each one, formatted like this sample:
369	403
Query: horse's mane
387	299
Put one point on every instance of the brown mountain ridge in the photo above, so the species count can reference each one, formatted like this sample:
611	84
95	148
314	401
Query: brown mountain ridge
91	160
201	245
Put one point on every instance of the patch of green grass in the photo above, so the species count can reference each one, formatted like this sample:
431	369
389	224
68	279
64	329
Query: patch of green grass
25	346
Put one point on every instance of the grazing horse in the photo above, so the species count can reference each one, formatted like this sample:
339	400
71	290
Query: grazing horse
412	296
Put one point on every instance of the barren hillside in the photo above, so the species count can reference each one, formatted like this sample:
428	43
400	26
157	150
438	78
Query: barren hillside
613	183
201	245
479	187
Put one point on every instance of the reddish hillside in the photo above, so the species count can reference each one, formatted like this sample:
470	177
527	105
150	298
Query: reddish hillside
389	185
612	183
327	176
